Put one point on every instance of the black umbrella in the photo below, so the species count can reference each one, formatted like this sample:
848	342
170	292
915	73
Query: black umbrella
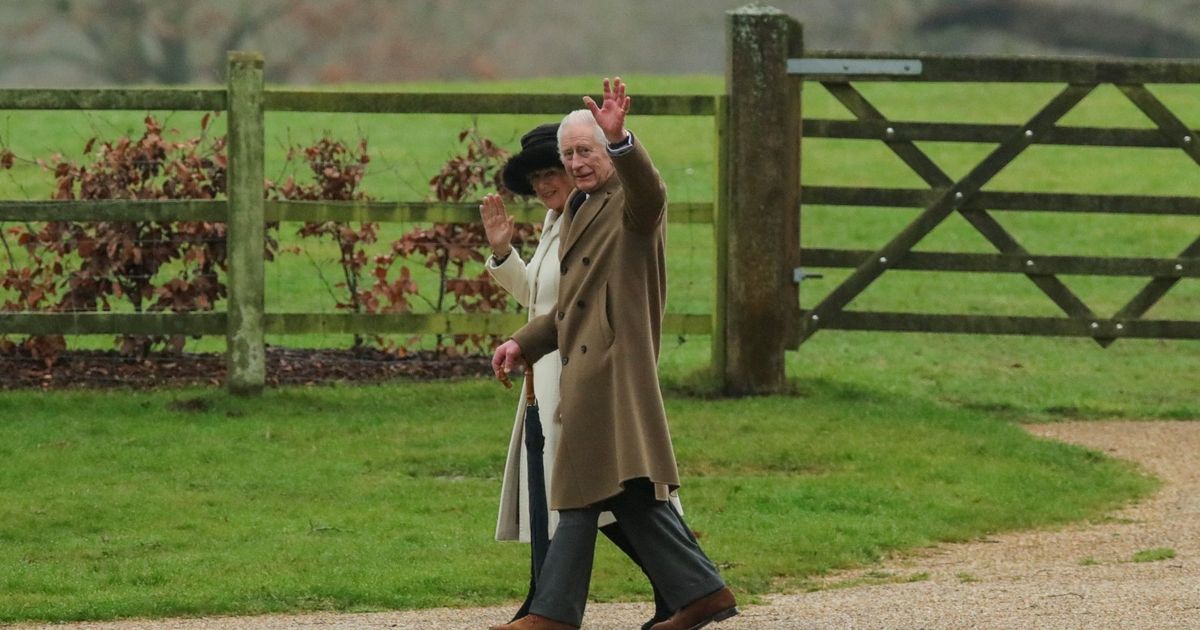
535	444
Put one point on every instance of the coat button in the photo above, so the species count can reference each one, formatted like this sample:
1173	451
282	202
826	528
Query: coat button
579	304
583	349
586	261
565	359
561	315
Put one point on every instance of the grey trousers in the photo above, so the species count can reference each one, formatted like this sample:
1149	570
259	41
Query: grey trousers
669	552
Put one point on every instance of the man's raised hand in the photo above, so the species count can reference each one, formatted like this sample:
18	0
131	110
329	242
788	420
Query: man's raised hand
611	115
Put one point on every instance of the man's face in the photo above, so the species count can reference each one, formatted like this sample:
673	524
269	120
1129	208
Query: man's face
552	185
585	159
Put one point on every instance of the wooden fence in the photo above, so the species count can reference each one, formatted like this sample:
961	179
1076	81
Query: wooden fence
246	321
759	130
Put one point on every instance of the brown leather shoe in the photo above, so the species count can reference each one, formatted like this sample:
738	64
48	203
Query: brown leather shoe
714	607
535	622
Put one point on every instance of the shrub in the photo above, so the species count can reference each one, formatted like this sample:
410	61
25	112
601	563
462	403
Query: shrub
156	266
88	266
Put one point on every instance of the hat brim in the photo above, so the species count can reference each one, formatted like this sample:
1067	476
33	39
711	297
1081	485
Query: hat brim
520	166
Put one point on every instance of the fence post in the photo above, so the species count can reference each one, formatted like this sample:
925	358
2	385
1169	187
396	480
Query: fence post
245	352
761	202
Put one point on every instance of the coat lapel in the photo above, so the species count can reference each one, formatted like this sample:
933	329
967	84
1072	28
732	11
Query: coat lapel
587	213
550	232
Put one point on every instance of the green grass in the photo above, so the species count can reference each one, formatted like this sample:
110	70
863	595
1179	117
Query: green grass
355	498
1153	555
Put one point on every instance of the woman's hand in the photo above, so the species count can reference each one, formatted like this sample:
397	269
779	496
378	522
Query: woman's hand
498	224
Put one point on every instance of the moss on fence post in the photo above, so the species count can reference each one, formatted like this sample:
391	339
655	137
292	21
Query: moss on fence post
760	217
245	352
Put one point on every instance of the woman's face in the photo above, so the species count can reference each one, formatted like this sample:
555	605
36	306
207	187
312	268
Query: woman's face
552	186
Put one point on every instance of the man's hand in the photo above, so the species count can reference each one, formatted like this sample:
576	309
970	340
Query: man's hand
505	359
497	223
611	116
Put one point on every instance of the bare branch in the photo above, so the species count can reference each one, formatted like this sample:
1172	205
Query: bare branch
249	24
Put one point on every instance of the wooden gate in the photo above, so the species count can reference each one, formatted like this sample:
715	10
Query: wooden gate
761	257
838	73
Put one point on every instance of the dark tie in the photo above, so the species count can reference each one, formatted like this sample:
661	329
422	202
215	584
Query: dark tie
576	202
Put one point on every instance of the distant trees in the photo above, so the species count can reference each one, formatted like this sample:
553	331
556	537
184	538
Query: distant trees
135	41
107	42
1082	27
185	41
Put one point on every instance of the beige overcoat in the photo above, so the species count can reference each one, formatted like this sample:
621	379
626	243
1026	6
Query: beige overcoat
535	285
606	326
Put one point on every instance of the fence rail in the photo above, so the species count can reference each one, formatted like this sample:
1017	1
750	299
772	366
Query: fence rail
1096	328
163	99
982	133
343	211
1005	201
1018	69
461	103
215	323
1011	263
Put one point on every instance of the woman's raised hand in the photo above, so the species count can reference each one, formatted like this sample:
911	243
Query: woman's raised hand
497	223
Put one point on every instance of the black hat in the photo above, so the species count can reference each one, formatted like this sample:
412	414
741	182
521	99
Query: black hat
539	150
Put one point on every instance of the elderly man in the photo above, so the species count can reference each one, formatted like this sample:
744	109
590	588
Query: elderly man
615	451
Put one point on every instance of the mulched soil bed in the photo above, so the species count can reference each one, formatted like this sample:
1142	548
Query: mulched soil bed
285	366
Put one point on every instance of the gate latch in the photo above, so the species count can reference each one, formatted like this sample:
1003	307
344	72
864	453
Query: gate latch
800	275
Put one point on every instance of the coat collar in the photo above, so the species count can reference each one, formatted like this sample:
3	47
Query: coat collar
551	220
575	226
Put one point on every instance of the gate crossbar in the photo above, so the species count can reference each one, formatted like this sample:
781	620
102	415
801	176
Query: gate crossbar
987	226
945	204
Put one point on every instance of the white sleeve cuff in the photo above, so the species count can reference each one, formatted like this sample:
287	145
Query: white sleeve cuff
621	148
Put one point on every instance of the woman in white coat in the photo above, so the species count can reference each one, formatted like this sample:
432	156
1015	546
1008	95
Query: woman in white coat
537	171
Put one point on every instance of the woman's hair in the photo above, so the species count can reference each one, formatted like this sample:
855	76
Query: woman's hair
582	116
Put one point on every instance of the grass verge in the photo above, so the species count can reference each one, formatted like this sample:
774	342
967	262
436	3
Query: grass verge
120	504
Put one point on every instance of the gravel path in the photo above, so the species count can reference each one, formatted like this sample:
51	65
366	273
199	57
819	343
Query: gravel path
1077	577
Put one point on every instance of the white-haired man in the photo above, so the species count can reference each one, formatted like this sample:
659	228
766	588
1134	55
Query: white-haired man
615	451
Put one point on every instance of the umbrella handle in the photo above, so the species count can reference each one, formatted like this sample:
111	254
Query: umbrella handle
530	399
